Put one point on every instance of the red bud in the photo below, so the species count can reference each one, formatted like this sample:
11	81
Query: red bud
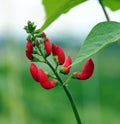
44	81
37	43
87	70
61	55
29	55
34	71
54	49
29	46
58	51
43	34
47	46
66	66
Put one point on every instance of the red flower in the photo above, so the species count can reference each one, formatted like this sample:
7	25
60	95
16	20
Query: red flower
58	51
66	66
40	76
34	71
29	46
29	55
87	70
44	81
47	46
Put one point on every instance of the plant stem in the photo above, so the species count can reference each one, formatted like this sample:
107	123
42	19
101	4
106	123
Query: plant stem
104	10
67	93
67	80
72	104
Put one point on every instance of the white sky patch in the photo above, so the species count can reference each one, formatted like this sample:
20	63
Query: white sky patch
15	14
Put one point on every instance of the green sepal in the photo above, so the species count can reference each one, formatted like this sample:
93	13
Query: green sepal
55	58
62	70
30	28
35	59
74	75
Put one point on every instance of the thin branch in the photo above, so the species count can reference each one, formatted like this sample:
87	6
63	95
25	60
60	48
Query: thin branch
67	93
104	10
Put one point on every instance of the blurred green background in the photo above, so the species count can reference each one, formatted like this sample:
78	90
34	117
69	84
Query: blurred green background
23	101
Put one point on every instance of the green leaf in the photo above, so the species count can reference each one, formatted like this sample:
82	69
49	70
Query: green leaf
100	36
54	8
112	4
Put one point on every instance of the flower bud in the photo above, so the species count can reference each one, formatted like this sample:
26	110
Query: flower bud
34	71
44	81
47	46
29	46
54	49
43	35
58	51
66	66
87	71
29	55
61	55
37	43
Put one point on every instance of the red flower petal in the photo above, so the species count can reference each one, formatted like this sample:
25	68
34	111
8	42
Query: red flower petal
47	46
44	81
59	52
60	55
67	63
51	84
34	71
54	49
87	70
42	77
29	46
29	55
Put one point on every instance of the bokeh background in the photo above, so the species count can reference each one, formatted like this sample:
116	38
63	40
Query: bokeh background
23	101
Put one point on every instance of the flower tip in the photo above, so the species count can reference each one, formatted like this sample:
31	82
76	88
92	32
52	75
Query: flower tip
52	84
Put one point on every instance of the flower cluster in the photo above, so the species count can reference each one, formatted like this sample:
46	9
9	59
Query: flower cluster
39	48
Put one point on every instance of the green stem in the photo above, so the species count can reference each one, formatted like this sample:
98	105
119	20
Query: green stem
67	93
67	80
72	104
65	89
54	71
104	10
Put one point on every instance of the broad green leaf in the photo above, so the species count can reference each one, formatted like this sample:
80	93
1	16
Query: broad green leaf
100	36
54	8
112	4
